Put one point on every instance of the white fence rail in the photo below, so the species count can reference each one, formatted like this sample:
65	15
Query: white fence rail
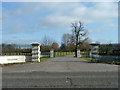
44	55
14	59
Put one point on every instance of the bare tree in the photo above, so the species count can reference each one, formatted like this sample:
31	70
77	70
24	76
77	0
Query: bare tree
46	44
79	33
47	41
68	42
66	39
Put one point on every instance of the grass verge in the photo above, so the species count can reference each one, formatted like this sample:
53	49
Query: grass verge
44	58
89	60
86	58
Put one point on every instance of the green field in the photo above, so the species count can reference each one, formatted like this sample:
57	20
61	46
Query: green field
63	53
9	54
43	53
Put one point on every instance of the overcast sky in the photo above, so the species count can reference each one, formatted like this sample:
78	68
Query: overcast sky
27	22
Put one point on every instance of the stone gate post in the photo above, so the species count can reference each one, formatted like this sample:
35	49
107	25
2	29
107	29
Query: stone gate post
78	53
51	53
94	53
36	52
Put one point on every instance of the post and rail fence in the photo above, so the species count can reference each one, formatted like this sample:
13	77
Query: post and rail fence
34	53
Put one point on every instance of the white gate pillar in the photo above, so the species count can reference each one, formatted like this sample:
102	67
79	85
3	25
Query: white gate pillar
36	52
78	53
94	53
51	53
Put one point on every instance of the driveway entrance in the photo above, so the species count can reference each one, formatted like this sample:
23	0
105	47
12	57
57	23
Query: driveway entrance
63	72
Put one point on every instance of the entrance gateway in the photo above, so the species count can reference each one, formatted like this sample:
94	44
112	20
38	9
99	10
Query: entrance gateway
36	53
94	53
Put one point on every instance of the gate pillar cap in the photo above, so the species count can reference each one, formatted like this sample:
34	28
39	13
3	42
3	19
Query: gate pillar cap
35	44
94	44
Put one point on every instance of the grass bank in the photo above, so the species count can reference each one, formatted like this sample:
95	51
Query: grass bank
89	60
86	58
44	58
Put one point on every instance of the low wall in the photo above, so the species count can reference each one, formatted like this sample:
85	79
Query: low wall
14	59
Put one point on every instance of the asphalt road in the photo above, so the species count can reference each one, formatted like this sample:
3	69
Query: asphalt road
61	72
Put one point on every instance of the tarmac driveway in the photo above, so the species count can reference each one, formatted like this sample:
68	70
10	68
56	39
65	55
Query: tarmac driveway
61	72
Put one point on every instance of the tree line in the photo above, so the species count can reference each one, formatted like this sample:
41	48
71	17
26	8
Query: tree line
67	45
70	42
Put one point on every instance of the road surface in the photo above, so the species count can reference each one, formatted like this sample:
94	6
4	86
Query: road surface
61	72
